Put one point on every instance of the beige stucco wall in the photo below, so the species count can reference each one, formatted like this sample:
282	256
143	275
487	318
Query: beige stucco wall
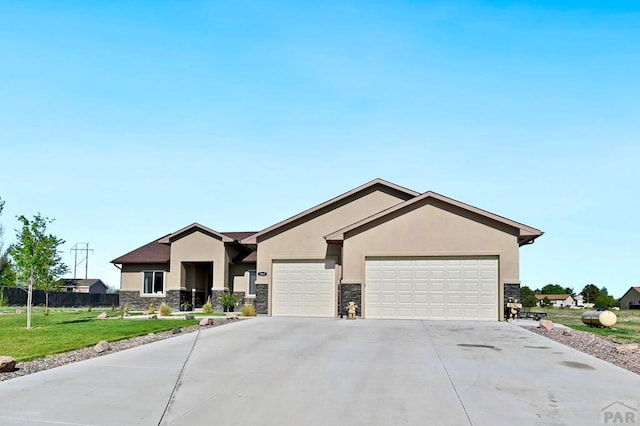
430	231
306	241
131	275
240	276
197	247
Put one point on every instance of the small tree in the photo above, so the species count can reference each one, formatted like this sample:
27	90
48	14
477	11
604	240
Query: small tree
590	292
546	302
605	300
528	297
48	287
37	260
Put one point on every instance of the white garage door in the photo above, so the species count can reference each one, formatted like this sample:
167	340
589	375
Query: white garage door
432	288
304	289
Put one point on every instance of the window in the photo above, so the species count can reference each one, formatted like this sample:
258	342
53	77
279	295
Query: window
153	282
252	283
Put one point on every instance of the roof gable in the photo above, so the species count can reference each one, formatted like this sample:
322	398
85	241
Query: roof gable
193	228
400	191
631	289
159	251
526	234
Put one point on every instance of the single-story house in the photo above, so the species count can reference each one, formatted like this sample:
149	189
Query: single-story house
393	251
78	285
631	299
557	300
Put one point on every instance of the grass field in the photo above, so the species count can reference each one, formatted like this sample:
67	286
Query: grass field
68	329
626	330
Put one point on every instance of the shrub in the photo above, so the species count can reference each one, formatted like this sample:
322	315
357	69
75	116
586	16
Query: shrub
151	309
165	310
88	310
125	308
228	299
248	310
207	308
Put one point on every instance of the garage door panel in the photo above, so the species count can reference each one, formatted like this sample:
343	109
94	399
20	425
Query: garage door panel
304	288
432	288
405	286
453	286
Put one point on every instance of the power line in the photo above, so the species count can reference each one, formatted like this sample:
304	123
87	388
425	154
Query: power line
84	249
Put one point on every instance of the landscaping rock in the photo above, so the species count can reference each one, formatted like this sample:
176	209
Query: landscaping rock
176	330
232	315
101	347
154	316
7	364
102	315
18	311
566	333
627	348
546	324
206	321
189	317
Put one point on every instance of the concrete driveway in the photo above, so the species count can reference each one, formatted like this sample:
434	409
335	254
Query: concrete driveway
279	371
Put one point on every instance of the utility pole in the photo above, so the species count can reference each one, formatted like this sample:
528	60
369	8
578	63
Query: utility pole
84	250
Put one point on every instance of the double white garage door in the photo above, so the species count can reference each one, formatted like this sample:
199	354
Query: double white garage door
432	288
404	288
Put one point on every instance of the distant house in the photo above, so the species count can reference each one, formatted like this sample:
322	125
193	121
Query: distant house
631	299
579	300
557	300
77	285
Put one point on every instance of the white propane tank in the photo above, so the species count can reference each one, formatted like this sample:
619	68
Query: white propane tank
599	318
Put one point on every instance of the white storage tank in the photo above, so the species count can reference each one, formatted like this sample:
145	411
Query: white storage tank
599	318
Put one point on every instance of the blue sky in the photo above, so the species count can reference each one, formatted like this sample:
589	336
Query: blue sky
125	121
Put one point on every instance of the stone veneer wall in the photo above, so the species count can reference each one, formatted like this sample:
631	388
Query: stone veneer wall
511	290
350	293
140	303
261	302
215	300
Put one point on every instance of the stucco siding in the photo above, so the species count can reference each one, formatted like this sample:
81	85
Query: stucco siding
131	275
240	276
306	240
197	247
430	230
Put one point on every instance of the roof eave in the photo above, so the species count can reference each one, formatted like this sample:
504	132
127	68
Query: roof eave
249	240
141	262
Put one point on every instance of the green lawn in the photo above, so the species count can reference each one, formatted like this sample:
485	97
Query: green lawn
66	329
626	330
